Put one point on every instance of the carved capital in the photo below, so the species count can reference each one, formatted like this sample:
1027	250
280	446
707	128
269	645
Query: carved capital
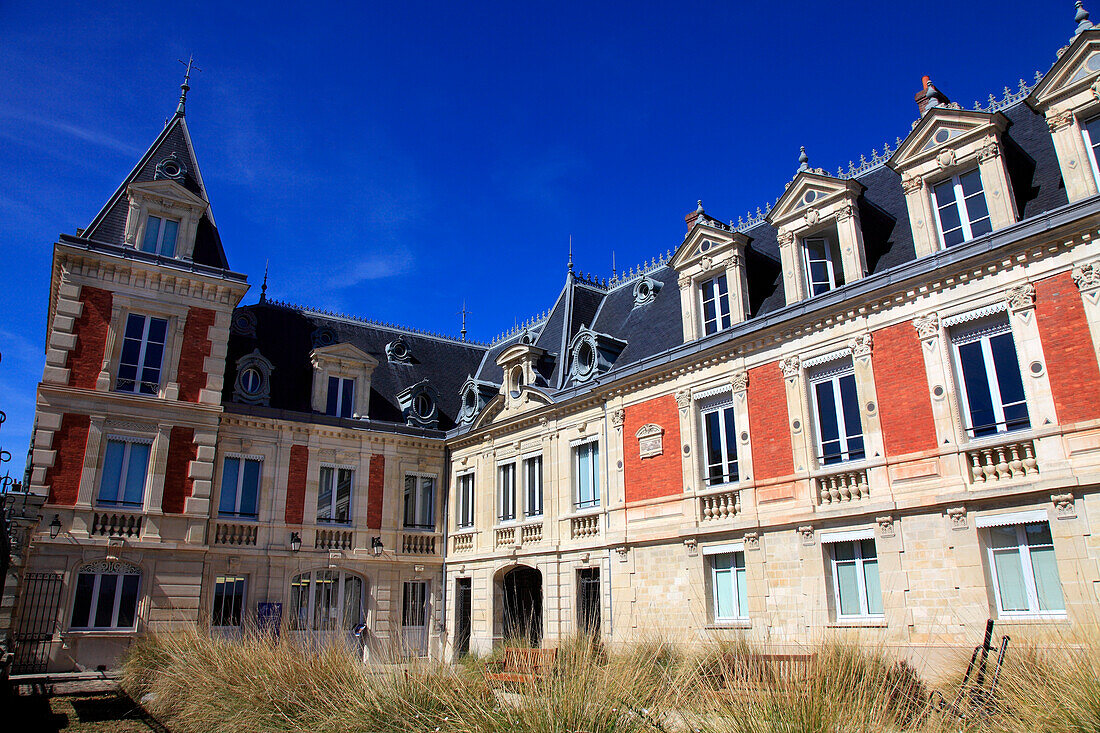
844	213
957	515
617	418
861	345
911	183
786	239
1087	276
740	381
692	546
1020	297
928	325
988	151
813	216
752	540
1056	119
683	399
684	282
790	366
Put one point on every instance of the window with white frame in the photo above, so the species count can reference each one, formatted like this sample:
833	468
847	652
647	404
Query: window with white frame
414	617
836	412
729	599
506	492
988	374
228	601
326	600
1022	566
586	475
855	578
720	439
1090	130
532	485
341	397
824	270
419	501
106	596
716	304
334	495
125	466
961	209
160	236
240	492
464	516
142	352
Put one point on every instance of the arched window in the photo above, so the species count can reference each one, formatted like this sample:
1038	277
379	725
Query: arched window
106	596
326	600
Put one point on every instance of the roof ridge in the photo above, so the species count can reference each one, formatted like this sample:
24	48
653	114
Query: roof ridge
377	324
536	320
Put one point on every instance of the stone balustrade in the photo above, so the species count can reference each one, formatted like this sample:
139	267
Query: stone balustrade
463	542
723	505
531	534
842	487
418	544
989	464
334	539
116	524
584	527
504	537
235	533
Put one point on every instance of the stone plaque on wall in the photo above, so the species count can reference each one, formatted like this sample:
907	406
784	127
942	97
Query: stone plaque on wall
650	440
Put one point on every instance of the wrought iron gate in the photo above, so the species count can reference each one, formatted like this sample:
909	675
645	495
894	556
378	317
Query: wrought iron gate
588	601
39	602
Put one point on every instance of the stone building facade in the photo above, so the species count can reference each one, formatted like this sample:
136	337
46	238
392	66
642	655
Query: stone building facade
868	413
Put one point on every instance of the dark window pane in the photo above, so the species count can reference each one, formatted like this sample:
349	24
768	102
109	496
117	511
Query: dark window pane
82	606
731	445
849	402
347	398
979	402
333	395
105	604
127	606
1007	367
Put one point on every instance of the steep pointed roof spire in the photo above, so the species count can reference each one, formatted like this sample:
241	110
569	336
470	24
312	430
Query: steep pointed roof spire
186	86
1082	19
570	254
263	288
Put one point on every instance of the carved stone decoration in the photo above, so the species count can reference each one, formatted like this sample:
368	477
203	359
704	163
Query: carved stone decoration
618	417
684	283
806	532
623	553
1021	297
645	290
692	546
752	541
1087	276
786	239
945	158
650	440
171	168
706	263
1056	119
861	345
928	326
683	399
790	366
844	213
740	382
989	151
323	337
813	216
885	526
911	183
957	516
1064	507
244	323
115	567
397	351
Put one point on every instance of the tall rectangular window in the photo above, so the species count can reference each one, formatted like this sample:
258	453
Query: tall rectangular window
586	475
240	487
414	617
142	352
836	411
856	589
464	516
823	266
716	304
334	495
419	502
532	484
989	378
961	210
228	601
729	588
1024	571
341	397
160	236
720	435
506	492
106	599
1091	132
125	465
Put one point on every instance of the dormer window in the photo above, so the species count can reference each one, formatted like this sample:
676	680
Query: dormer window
592	354
824	270
961	209
253	384
420	405
716	305
341	397
341	380
160	236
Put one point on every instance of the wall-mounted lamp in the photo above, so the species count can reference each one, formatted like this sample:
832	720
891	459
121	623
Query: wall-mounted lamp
55	526
295	541
376	546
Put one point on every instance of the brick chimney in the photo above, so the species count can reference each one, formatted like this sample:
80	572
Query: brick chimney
929	97
690	218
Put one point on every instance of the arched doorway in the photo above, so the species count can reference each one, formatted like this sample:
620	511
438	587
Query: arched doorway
521	601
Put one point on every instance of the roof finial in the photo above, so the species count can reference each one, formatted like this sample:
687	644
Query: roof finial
570	253
699	210
1082	18
614	272
263	288
463	313
803	159
185	86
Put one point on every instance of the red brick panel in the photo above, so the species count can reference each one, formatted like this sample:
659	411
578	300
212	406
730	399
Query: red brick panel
772	454
296	484
191	374
376	480
1068	349
905	409
657	476
86	358
177	485
69	443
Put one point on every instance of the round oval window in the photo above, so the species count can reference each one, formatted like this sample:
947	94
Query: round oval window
251	380
423	405
585	357
399	349
171	169
470	400
643	290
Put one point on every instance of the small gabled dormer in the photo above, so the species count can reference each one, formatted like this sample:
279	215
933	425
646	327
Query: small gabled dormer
163	216
714	289
475	395
953	173
519	364
591	354
420	405
341	380
1069	97
820	237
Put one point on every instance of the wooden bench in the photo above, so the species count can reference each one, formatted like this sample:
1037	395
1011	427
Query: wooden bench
736	673
522	665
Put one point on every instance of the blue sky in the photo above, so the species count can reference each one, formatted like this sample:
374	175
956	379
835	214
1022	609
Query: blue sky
395	159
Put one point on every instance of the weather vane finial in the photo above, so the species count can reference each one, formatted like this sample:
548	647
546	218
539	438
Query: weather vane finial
263	288
464	313
186	85
570	253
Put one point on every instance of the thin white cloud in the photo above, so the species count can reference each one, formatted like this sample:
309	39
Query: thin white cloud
67	128
373	267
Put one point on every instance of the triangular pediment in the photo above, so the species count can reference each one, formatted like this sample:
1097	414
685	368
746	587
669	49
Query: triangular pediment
943	126
811	189
171	190
706	240
344	352
1075	70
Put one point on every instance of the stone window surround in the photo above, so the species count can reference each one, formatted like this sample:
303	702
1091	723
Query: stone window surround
600	499
100	430
457	483
437	499
122	306
706	555
328	364
518	356
736	388
726	256
253	360
245	454
166	199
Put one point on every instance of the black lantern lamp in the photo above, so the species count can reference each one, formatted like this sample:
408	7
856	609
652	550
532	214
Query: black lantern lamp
376	546
295	541
55	526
